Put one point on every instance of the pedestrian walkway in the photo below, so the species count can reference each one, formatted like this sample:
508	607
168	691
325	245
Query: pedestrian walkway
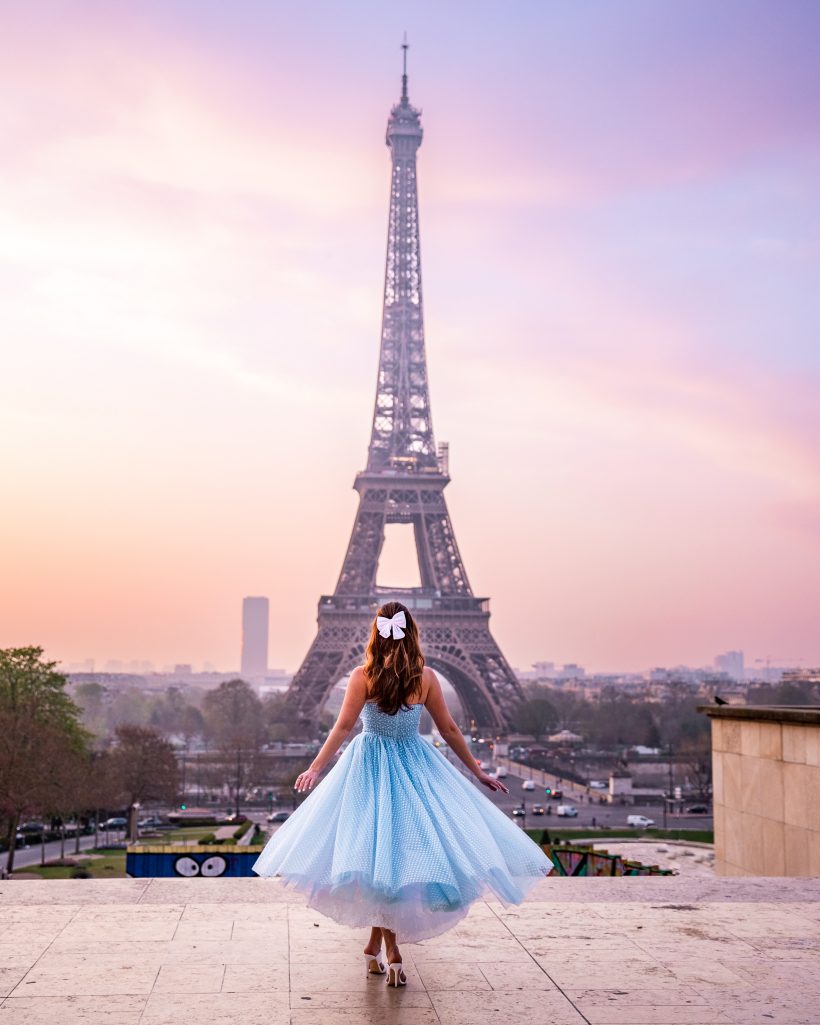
637	951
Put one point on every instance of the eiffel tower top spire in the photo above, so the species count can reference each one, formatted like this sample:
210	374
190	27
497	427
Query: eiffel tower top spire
402	432
405	47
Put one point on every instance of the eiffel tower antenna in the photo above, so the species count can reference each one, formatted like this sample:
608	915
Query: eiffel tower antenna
404	482
405	47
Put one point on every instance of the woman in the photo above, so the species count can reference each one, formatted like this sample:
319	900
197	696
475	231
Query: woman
395	834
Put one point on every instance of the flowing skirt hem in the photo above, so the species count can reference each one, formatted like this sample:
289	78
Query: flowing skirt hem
417	913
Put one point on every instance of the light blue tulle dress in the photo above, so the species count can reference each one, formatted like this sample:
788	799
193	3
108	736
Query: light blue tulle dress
394	835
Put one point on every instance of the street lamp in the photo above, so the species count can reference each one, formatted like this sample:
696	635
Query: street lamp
184	767
668	798
133	832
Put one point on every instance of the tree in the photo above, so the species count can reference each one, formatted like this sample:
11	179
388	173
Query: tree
284	720
40	731
679	720
536	716
787	692
93	698
233	721
617	720
191	723
129	708
144	768
173	714
696	754
101	788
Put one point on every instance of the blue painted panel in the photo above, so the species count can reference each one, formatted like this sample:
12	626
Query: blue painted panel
211	862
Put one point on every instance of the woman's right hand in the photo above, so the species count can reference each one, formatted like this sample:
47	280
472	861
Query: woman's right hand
492	782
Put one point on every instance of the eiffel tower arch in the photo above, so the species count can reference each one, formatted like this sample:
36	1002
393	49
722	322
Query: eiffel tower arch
404	482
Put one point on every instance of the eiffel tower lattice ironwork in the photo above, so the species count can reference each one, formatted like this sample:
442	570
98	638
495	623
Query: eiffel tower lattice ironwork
404	483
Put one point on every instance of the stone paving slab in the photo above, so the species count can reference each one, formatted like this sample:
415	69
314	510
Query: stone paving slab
629	951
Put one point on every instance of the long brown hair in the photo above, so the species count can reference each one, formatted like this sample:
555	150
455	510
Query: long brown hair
393	666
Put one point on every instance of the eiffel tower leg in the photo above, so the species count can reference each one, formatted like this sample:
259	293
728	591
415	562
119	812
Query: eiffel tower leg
462	647
358	573
336	650
439	540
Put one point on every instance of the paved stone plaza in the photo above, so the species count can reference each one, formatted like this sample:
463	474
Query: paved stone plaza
248	952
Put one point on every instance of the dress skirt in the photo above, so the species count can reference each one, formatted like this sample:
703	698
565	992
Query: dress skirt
395	836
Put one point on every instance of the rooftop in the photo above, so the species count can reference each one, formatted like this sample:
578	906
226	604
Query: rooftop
620	950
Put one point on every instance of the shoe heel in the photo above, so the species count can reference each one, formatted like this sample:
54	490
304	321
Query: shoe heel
395	973
368	959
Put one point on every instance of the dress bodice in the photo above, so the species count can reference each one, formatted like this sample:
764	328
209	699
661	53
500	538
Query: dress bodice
401	726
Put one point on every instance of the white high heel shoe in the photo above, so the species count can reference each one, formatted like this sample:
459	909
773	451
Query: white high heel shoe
395	974
380	967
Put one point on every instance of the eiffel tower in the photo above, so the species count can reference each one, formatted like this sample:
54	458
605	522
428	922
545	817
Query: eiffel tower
404	483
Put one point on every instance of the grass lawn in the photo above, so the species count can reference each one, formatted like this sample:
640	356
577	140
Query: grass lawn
111	865
191	834
695	835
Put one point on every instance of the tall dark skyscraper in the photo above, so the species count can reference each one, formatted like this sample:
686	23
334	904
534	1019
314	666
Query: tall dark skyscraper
255	617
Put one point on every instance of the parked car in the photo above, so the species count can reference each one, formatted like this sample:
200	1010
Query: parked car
278	816
569	811
597	784
697	809
117	822
537	809
527	784
639	821
32	827
517	812
152	822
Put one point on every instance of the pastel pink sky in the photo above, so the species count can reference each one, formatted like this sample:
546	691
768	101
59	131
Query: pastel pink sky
620	215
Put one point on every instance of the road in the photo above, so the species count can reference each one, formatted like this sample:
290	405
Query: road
606	816
25	856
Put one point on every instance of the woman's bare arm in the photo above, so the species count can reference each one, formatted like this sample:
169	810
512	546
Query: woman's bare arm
451	734
355	697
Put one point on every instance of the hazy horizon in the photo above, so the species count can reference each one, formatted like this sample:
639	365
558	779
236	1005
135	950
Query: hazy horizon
619	210
137	666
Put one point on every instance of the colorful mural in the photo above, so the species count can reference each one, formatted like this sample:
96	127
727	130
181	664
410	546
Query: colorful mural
214	861
205	861
570	860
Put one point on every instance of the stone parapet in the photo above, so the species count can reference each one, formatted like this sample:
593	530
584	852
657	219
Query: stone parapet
766	789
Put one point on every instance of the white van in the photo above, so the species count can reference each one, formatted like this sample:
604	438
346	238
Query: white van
501	772
567	810
528	784
639	821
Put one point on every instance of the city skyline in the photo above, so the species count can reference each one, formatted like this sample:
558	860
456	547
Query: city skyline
619	217
731	662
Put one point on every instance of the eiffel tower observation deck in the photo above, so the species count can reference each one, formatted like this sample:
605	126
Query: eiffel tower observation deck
404	482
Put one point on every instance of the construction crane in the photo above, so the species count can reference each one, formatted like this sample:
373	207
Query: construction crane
779	658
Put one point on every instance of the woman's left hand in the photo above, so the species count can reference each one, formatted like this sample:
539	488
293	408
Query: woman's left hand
306	779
